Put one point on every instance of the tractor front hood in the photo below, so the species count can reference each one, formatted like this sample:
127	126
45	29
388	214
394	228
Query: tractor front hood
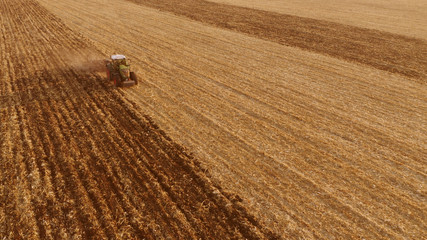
124	71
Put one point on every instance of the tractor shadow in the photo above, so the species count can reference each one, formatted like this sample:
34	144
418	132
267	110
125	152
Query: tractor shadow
56	84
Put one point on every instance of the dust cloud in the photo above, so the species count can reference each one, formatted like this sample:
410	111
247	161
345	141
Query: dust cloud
85	60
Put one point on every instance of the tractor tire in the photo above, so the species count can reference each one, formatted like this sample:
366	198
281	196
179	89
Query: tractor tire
108	75
117	81
133	77
109	70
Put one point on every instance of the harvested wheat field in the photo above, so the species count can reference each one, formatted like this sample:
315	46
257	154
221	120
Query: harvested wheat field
406	17
78	161
247	123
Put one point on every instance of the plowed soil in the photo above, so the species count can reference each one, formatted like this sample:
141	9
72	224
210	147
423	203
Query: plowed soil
405	17
77	160
318	142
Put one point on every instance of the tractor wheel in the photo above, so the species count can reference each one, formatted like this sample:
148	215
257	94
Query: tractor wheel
108	75
116	80
133	77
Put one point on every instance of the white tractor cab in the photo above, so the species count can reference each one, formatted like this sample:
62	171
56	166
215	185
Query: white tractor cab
118	70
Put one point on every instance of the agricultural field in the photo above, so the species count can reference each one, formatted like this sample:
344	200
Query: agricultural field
250	121
78	161
406	17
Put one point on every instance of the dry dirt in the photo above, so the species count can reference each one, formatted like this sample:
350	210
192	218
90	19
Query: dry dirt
315	146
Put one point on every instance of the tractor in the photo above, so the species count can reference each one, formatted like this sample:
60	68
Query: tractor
118	71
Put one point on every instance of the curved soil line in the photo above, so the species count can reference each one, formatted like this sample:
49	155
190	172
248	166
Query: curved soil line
386	51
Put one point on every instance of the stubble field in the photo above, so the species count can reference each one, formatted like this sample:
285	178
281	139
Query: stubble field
79	162
406	17
317	142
